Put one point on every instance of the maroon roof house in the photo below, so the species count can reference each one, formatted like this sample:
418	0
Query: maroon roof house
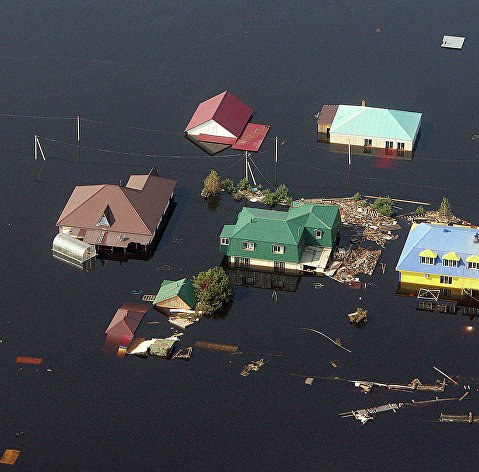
116	216
126	320
224	119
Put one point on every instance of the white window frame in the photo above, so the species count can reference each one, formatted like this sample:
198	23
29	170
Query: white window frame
277	249
473	265
449	263
318	233
445	279
427	260
225	241
248	246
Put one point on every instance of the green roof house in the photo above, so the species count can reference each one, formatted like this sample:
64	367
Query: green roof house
300	239
176	294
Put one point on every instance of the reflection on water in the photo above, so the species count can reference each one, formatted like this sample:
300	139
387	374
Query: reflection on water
367	151
263	279
209	148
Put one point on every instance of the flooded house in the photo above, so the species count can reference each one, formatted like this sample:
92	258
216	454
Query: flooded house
176	294
126	320
299	240
369	130
221	122
117	218
441	262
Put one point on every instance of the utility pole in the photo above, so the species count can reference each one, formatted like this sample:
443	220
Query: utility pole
276	161
246	154
78	139
38	146
349	152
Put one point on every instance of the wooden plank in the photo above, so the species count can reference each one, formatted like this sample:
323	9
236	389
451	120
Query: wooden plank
9	456
29	360
397	200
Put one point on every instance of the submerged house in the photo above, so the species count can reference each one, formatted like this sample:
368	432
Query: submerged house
117	217
126	320
300	239
441	257
222	121
176	294
378	131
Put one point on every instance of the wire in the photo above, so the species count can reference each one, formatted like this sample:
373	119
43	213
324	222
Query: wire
40	117
260	172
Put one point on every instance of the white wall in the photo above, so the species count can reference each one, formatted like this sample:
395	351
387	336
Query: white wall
359	141
211	127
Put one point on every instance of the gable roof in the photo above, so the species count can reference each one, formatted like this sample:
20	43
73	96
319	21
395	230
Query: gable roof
224	108
126	320
135	208
287	227
183	289
441	240
376	122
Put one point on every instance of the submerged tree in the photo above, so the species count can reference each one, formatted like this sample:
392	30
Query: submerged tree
212	185
283	194
213	290
384	205
420	211
445	209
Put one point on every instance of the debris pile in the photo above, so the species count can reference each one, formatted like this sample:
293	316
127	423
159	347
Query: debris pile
252	366
358	317
355	260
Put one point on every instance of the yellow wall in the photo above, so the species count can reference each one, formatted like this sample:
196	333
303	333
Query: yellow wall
434	280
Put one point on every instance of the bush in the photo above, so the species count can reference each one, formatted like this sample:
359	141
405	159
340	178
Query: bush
269	198
356	197
212	185
228	186
283	194
213	290
420	211
243	185
384	205
238	196
364	203
445	209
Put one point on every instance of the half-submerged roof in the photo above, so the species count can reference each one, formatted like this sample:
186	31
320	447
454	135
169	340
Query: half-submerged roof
135	208
452	42
126	320
183	289
376	122
449	242
224	108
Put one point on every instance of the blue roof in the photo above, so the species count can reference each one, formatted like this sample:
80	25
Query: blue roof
440	239
376	122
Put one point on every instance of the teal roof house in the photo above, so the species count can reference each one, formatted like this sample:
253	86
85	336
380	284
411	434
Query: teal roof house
176	294
395	131
300	239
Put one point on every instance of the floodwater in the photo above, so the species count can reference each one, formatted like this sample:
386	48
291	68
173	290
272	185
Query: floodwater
148	65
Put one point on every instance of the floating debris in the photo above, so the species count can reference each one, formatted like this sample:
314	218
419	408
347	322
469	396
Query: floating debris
184	354
29	360
137	292
219	347
309	380
337	342
252	366
165	267
367	414
358	317
153	347
458	418
366	386
452	42
9	456
334	363
445	375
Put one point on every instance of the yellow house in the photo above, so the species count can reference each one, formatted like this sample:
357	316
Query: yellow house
441	256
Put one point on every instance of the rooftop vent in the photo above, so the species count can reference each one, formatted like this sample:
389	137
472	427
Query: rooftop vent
476	238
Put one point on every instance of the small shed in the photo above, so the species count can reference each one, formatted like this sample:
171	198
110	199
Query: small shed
162	347
126	320
72	250
176	294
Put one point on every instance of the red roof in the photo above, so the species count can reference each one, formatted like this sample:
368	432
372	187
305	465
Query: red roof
251	138
126	320
227	110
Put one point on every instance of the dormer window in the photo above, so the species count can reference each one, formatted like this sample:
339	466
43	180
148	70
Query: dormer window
473	262
451	259
248	246
277	249
318	233
428	257
106	218
224	241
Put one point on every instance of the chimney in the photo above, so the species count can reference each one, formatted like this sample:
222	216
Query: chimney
363	103
476	238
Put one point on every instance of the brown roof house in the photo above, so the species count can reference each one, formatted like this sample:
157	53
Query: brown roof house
115	216
126	320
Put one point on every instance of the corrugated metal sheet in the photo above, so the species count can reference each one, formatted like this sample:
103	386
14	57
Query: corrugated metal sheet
126	320
252	137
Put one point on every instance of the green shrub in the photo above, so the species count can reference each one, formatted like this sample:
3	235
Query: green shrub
269	198
384	205
420	211
238	196
244	185
357	196
445	209
282	193
228	186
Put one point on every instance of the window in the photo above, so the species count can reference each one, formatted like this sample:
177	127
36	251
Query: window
427	260
389	144
427	306
400	146
278	266
277	249
473	265
248	246
367	145
449	263
225	241
400	149
242	262
445	279
318	233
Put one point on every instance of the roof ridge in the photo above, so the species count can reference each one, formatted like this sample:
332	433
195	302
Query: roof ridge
396	120
349	119
101	186
133	206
